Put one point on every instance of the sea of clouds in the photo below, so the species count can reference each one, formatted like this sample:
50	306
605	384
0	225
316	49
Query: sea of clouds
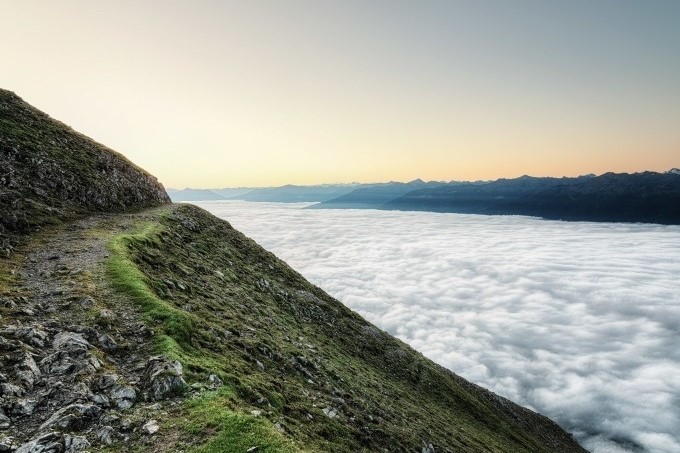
578	321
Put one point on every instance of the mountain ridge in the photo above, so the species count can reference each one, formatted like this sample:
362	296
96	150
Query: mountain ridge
611	197
650	197
131	324
51	173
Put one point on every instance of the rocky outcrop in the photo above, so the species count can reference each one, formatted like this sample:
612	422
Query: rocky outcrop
163	378
58	398
49	172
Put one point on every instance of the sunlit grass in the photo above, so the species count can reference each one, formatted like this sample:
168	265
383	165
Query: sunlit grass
212	422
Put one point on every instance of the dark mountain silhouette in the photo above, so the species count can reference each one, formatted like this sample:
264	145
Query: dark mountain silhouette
612	197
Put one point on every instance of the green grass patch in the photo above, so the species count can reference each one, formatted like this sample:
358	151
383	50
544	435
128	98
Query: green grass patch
229	431
212	422
175	325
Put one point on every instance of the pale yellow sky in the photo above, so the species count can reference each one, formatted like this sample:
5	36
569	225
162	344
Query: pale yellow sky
220	94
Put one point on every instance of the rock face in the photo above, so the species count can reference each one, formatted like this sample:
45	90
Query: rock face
49	172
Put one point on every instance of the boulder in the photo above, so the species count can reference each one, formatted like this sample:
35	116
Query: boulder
57	363
51	442
70	341
150	427
72	356
27	371
73	417
163	378
123	396
105	435
73	444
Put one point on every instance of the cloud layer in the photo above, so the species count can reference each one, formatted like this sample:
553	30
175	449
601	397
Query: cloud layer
578	321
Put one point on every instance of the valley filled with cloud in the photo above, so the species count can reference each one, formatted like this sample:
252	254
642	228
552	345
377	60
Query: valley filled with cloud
578	321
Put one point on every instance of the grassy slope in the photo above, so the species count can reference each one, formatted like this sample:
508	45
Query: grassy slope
284	348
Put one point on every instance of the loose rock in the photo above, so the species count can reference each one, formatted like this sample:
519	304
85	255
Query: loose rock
150	427
214	381
70	341
73	444
73	417
100	400
24	407
7	444
330	412
428	448
107	380
105	435
8	390
107	343
5	422
123	396
46	443
163	378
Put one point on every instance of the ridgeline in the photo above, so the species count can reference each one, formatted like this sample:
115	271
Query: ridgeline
131	324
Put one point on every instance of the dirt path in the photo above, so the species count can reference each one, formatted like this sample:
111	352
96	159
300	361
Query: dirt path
72	350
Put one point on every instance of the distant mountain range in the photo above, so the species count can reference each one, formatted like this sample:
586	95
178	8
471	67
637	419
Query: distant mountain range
284	194
648	197
639	197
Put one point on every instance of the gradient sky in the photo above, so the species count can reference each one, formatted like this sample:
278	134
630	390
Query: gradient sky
220	93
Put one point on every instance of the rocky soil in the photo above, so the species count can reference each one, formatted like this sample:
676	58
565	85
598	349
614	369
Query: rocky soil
76	362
